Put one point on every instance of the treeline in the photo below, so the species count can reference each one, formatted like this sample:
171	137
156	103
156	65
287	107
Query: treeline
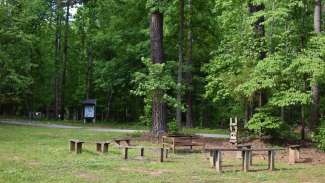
197	62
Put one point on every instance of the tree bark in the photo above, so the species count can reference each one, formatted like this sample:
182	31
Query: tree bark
315	107
65	59
189	96
180	62
157	57
57	55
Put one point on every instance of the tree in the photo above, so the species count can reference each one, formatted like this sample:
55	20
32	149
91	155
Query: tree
157	57
58	58
315	113
189	76
180	62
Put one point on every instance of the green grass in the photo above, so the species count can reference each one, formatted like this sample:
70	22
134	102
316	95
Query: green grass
29	154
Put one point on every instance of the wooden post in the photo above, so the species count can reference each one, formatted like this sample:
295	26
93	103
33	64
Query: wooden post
105	147
246	160
271	160
98	147
292	156
174	145
243	160
166	153
213	156
72	146
161	155
126	153
218	163
142	152
79	147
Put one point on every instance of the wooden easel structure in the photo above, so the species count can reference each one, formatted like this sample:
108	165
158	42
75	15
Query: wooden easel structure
233	131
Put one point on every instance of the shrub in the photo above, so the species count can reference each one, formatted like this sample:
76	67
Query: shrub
319	137
264	124
172	127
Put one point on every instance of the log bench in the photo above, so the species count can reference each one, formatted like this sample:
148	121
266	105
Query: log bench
294	153
160	150
216	157
102	147
180	141
76	146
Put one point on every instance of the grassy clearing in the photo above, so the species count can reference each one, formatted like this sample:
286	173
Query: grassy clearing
30	154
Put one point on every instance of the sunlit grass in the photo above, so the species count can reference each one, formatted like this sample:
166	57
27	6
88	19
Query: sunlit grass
29	154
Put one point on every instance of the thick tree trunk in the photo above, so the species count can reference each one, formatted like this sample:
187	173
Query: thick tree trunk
157	57
180	62
57	55
65	59
189	96
315	107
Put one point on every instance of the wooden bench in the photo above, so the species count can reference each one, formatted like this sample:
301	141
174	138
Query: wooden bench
120	141
76	145
102	147
216	157
294	153
161	151
180	141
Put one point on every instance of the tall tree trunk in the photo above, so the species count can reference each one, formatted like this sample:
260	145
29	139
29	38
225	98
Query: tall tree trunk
65	59
57	55
157	57
189	97
315	107
180	62
90	54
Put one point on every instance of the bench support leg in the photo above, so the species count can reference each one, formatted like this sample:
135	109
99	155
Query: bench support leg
218	163
246	161
271	160
142	152
99	147
161	155
105	148
166	153
213	158
79	148
72	146
126	153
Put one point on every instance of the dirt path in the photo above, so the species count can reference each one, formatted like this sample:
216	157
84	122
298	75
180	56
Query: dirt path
37	124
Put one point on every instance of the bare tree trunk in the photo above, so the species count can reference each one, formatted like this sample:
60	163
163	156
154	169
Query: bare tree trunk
157	57
65	59
180	63
189	97
90	54
57	54
315	107
109	99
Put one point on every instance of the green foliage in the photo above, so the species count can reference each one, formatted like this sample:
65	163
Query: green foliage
173	127
263	123
319	136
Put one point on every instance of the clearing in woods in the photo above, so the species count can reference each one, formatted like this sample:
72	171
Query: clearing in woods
33	154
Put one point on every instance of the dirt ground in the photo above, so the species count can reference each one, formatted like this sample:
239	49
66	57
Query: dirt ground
308	153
